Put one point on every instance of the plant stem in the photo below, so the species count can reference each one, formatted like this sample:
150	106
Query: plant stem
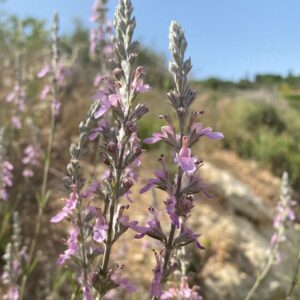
113	201
84	262
169	246
42	205
260	278
295	279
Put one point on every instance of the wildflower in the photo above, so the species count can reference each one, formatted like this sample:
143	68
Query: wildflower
182	186
30	160
171	210
184	292
185	159
16	122
15	256
72	244
284	215
138	82
87	295
161	181
44	71
122	282
6	179
186	237
107	101
197	131
100	228
102	124
67	209
167	134
153	228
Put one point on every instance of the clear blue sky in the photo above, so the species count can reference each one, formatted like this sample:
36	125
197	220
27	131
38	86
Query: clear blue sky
227	38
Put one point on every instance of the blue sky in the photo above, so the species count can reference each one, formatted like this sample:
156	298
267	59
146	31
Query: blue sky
227	38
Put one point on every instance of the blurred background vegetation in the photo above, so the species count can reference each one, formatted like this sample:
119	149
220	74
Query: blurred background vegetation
259	117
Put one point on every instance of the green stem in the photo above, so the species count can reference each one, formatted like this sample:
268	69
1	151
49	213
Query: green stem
295	279
84	261
260	278
41	208
112	212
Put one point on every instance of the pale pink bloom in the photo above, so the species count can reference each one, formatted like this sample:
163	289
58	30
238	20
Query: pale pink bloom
44	71
16	122
67	209
184	157
45	92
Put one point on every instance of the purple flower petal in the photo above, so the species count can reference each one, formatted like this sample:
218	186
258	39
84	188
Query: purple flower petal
42	73
171	210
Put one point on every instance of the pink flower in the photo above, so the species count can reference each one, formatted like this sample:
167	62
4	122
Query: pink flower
56	106
7	179
72	244
87	295
16	122
30	159
67	209
183	293
27	173
45	92
184	157
106	102
186	237
171	210
44	71
13	293
153	228
95	132
100	228
31	154
138	82
123	282
167	133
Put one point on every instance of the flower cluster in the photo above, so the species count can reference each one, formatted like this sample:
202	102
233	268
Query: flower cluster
14	257
101	42
56	72
181	187
184	292
6	168
98	219
30	160
284	215
18	96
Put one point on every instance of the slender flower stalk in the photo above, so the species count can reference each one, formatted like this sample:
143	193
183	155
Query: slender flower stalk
101	39
185	183
43	196
6	168
101	51
97	225
15	258
295	279
284	215
18	95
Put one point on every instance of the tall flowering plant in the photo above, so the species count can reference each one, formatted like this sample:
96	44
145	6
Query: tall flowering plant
182	186
98	219
283	217
101	38
15	258
55	73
